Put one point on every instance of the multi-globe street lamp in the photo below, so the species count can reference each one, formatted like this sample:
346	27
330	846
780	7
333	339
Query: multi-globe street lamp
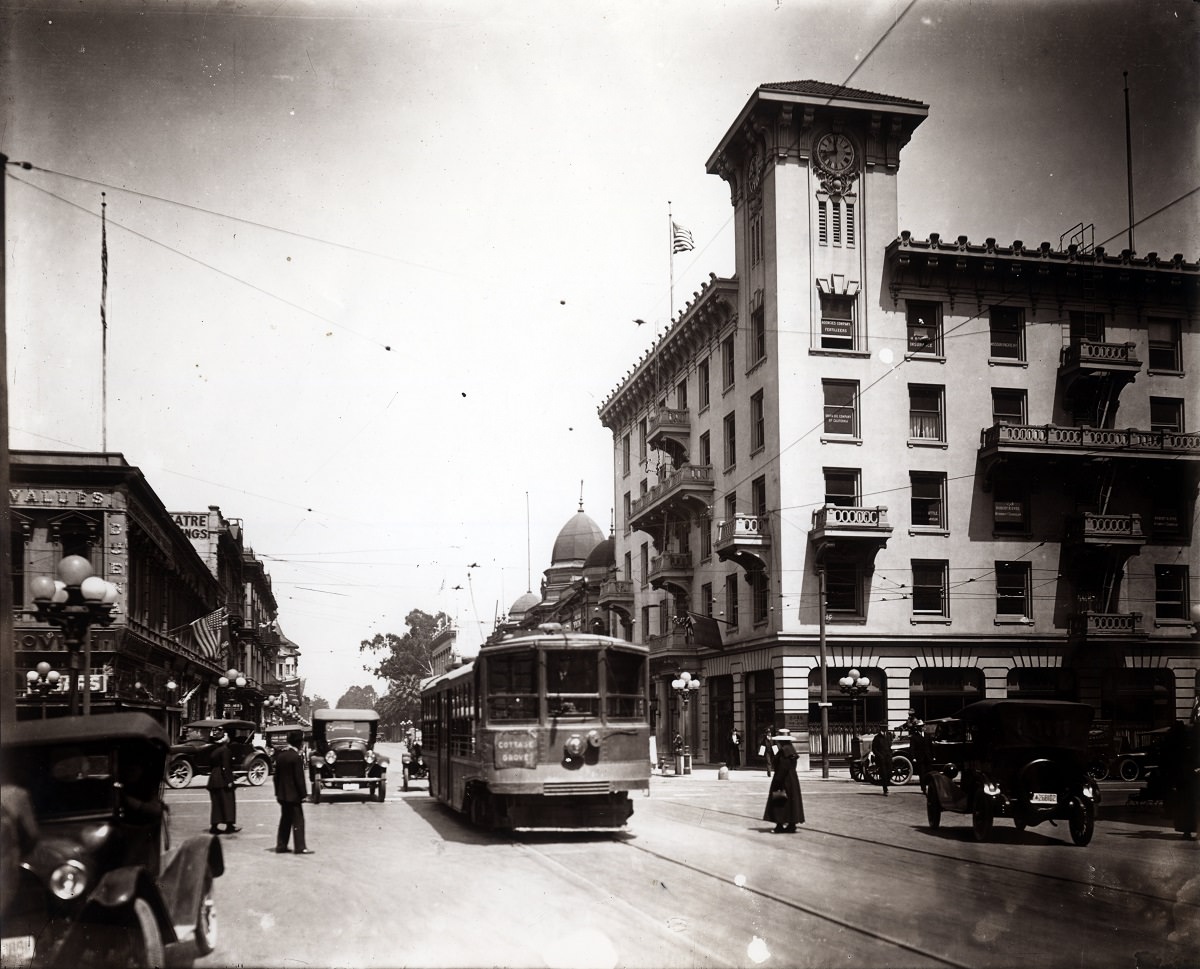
232	678
44	680
854	685
75	601
684	685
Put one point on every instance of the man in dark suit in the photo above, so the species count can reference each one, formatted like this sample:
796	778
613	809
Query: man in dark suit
290	792
881	747
220	787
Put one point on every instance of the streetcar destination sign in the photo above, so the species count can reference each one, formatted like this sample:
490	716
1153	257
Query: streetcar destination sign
516	749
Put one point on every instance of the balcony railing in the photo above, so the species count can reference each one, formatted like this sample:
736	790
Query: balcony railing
616	591
1053	438
743	538
843	521
1092	529
691	484
1099	626
669	430
671	570
1089	355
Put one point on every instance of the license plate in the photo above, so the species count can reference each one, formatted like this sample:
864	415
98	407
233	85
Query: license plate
1045	799
349	787
17	950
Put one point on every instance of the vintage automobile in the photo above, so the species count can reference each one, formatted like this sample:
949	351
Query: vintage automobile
193	754
343	753
862	760
413	764
1020	759
276	738
95	881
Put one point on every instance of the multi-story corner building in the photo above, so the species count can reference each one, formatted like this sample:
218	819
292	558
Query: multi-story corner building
169	570
965	469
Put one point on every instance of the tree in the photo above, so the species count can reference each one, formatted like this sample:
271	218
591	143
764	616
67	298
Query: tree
359	698
404	661
316	703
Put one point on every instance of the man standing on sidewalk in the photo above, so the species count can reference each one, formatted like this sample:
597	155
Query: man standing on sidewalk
290	792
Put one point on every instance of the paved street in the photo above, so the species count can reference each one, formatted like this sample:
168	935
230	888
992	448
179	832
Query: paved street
698	880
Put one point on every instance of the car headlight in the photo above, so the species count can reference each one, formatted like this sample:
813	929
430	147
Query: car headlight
370	758
68	880
331	757
574	745
991	788
1089	791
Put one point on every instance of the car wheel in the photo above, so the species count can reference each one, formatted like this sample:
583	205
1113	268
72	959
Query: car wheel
258	771
1019	824
1083	822
180	773
982	816
381	790
1098	770
146	950
856	772
404	780
316	795
902	770
206	920
933	809
1129	769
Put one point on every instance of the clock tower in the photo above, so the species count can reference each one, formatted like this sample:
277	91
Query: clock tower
811	168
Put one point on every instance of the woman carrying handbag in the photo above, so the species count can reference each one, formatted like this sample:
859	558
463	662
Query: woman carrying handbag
785	804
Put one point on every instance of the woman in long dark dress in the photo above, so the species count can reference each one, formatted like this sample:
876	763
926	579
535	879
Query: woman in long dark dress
787	812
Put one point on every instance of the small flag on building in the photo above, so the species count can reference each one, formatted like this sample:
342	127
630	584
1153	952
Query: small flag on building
208	632
681	239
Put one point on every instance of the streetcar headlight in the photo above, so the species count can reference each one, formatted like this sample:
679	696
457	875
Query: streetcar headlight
68	880
331	757
574	746
593	738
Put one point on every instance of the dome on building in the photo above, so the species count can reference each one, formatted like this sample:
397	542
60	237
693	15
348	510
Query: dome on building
576	539
603	556
525	602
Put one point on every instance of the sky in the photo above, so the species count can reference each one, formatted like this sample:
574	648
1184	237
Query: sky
373	266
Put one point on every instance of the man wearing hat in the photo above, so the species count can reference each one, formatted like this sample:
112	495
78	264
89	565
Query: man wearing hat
220	786
785	805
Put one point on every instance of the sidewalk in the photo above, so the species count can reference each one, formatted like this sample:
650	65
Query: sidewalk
711	772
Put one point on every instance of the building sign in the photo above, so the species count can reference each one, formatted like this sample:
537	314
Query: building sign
516	749
1010	511
836	328
96	683
58	498
194	524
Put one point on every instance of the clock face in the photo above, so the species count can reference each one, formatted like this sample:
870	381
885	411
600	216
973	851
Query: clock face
835	152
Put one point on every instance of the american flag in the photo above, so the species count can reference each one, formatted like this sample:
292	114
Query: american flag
681	239
208	632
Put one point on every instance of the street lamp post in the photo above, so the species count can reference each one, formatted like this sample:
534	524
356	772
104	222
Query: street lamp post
854	685
44	680
75	601
232	678
684	686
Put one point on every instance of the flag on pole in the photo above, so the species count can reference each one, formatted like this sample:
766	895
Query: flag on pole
681	239
208	631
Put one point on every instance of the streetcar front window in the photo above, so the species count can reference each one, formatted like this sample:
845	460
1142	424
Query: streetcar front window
512	687
626	686
572	683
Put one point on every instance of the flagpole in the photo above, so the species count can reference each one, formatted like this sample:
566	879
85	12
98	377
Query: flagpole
671	249
103	324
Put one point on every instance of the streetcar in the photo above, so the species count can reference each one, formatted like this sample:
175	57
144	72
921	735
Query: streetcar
544	729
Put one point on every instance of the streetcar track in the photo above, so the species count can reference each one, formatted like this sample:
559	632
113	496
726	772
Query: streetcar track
1063	879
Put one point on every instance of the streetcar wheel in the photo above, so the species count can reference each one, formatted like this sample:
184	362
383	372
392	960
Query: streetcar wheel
258	772
1129	769
180	773
902	770
982	817
933	809
1083	822
206	920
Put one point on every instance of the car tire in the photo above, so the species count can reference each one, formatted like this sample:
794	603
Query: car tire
258	771
180	773
1129	769
147	949
404	780
1098	770
381	790
1082	822
856	771
316	791
933	809
982	817
206	920
902	771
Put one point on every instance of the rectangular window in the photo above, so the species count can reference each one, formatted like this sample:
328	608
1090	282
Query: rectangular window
727	371
627	504
1007	326
849	224
706	600
730	506
702	382
1086	326
681	395
924	321
731	601
1171	592
823	222
843	590
1012	590
628	566
645	563
1008	406
758	423
730	441
705	538
928	499
760	597
705	454
626	454
837	222
758	334
1165	352
664	619
930	587
646	623
1010	507
758	497
838	330
842	487
841	407
642	441
1166	414
925	406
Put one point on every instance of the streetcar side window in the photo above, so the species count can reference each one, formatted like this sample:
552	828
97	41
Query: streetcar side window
626	692
512	687
572	683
